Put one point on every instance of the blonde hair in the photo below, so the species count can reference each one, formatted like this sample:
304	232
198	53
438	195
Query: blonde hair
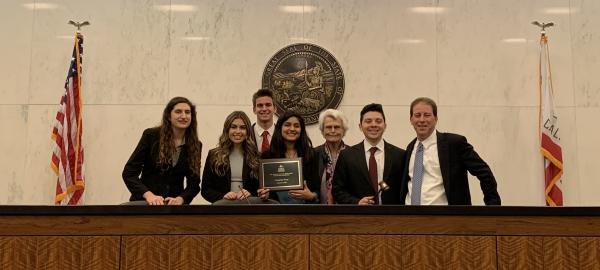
220	163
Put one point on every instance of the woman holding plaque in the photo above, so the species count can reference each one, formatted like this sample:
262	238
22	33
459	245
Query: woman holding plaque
231	170
333	126
164	156
290	140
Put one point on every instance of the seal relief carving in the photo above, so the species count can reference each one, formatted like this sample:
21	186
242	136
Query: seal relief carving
305	79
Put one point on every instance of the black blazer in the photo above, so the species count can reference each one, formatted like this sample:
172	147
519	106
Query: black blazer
351	181
214	187
253	134
457	157
322	160
166	182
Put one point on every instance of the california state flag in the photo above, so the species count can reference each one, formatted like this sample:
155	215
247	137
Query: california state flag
549	131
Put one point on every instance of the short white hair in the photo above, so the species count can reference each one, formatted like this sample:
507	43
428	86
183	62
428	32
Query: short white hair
335	114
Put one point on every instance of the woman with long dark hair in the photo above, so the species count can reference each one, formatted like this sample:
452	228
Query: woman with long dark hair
290	140
231	170
164	156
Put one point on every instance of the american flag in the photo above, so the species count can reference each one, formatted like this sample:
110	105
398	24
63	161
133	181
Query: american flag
67	157
549	131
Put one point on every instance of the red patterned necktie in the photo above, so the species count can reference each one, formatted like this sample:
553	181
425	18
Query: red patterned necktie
373	172
265	142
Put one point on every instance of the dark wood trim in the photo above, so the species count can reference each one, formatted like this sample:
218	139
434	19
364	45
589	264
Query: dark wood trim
115	210
319	237
126	220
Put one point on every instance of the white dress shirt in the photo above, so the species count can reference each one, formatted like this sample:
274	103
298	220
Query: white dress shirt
432	190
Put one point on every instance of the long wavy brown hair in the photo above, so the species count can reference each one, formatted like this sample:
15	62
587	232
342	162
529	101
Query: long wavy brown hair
220	163
167	145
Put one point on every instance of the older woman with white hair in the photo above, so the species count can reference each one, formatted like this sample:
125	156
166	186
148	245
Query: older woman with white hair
333	125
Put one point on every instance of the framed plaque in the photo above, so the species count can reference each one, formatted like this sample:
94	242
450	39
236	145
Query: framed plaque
281	174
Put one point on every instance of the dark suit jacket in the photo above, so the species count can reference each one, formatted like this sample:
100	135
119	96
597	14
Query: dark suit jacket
351	181
254	135
214	187
322	160
166	182
457	157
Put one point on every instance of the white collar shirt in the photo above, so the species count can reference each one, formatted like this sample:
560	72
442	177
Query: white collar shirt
432	190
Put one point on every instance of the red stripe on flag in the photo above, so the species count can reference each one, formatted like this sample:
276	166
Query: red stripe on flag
552	148
55	160
76	196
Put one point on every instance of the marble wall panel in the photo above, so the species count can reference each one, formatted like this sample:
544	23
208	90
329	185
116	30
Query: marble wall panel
12	161
16	18
39	181
585	25
387	51
507	139
488	52
219	49
126	51
111	134
587	154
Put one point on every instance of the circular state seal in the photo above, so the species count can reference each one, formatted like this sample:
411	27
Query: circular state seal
305	79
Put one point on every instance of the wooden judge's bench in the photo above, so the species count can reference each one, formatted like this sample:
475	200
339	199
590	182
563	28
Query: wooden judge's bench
298	237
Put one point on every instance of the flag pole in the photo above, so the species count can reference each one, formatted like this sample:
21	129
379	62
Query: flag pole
79	184
550	147
543	39
78	37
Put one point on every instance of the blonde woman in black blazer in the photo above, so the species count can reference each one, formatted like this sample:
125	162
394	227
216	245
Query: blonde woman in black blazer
235	143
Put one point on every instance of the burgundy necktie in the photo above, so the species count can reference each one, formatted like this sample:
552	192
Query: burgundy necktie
265	142
373	172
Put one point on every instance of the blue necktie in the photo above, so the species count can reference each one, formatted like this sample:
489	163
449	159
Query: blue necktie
417	179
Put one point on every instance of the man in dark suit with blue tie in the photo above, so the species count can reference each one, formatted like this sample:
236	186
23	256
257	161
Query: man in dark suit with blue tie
436	168
362	170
